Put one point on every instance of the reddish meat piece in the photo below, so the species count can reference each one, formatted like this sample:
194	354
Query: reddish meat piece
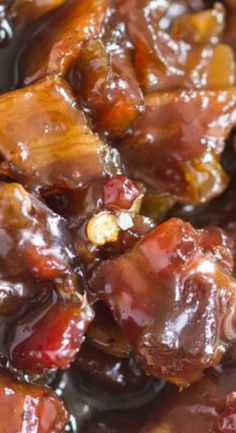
173	300
107	84
50	336
58	42
27	11
175	145
141	19
34	239
29	408
45	139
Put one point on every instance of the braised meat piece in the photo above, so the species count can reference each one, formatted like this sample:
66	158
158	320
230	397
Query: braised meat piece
117	216
45	139
173	299
175	146
34	240
29	408
27	11
59	42
50	336
185	56
108	90
105	79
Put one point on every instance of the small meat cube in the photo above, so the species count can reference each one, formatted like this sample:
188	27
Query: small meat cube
175	146
29	408
110	94
27	11
34	240
59	42
50	336
45	140
173	300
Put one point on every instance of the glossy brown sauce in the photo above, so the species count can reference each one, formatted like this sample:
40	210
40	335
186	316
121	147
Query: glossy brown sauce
121	398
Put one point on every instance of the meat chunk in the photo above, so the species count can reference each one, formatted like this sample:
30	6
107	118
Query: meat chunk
45	140
185	56
142	24
50	336
108	90
105	79
175	146
29	408
59	42
27	11
173	299
34	240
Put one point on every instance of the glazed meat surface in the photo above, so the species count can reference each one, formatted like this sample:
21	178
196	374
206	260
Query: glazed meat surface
46	142
173	299
29	408
117	216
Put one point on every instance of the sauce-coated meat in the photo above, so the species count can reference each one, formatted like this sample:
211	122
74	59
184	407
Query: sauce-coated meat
117	216
24	10
174	301
45	139
175	146
29	408
49	336
35	241
59	42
